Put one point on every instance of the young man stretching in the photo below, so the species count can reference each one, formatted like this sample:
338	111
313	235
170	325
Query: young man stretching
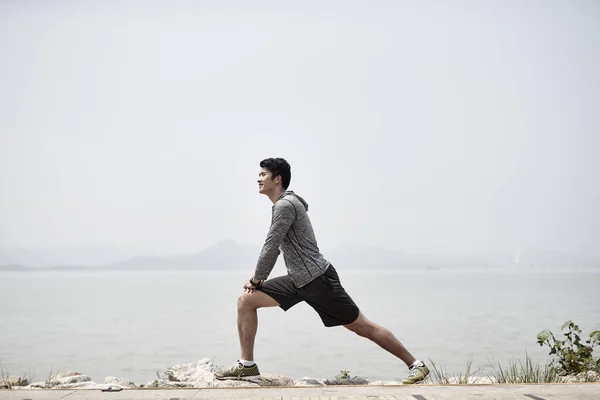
311	278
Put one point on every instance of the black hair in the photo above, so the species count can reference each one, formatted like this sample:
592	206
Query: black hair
278	167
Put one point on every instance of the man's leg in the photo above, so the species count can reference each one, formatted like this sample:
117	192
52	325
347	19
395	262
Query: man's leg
382	336
418	371
329	298
248	304
279	291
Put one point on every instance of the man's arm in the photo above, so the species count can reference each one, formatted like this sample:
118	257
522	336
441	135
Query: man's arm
284	216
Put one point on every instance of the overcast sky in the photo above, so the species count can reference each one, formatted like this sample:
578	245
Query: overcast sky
423	126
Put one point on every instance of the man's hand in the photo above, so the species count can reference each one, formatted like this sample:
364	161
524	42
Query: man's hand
249	287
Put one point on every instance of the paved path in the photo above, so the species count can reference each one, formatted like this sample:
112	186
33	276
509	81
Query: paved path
583	391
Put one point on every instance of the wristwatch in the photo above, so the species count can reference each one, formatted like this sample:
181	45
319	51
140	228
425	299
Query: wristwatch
254	283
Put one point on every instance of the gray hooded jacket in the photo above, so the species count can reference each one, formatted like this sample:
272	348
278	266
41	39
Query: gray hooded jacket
291	233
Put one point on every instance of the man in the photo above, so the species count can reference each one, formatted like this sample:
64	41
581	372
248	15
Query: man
311	278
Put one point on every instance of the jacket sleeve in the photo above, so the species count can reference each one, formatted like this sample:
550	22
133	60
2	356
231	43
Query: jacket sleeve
284	215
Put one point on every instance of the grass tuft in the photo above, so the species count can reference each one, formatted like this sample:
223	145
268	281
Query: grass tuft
4	376
525	372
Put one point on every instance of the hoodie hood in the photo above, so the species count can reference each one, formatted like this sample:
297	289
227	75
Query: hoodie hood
291	193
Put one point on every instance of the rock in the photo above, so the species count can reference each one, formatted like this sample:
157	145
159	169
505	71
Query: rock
236	383
80	385
152	384
568	379
124	383
39	385
354	380
485	380
384	383
268	379
201	374
455	380
67	374
482	380
49	384
28	387
306	381
164	384
472	380
66	380
60	383
15	381
589	376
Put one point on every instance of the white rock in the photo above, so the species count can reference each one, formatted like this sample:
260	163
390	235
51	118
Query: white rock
66	374
354	380
152	384
201	374
307	381
29	387
61	382
385	383
15	381
589	376
568	379
482	380
72	379
268	379
39	385
81	385
124	383
163	384
472	380
235	383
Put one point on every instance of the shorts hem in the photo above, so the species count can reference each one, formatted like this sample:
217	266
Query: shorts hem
282	304
331	323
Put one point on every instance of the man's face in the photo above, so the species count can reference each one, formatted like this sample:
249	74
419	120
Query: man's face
266	183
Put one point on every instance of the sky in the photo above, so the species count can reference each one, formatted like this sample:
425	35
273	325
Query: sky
421	126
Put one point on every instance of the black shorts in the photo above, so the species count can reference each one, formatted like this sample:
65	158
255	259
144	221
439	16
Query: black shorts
325	294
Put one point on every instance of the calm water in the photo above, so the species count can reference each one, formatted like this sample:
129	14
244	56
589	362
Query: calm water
131	324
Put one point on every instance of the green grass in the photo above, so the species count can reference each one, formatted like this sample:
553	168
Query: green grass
49	382
52	378
439	375
525	372
516	372
4	376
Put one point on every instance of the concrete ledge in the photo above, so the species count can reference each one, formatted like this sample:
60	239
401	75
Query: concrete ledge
572	391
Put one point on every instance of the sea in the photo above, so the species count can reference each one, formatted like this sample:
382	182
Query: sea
136	324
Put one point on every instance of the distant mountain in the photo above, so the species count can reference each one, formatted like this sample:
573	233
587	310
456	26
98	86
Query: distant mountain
226	254
365	257
5	258
554	259
229	255
14	267
83	255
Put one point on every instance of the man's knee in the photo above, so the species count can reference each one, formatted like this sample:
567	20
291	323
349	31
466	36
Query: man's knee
254	301
245	302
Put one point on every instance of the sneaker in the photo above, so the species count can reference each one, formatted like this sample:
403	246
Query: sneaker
238	371
417	373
